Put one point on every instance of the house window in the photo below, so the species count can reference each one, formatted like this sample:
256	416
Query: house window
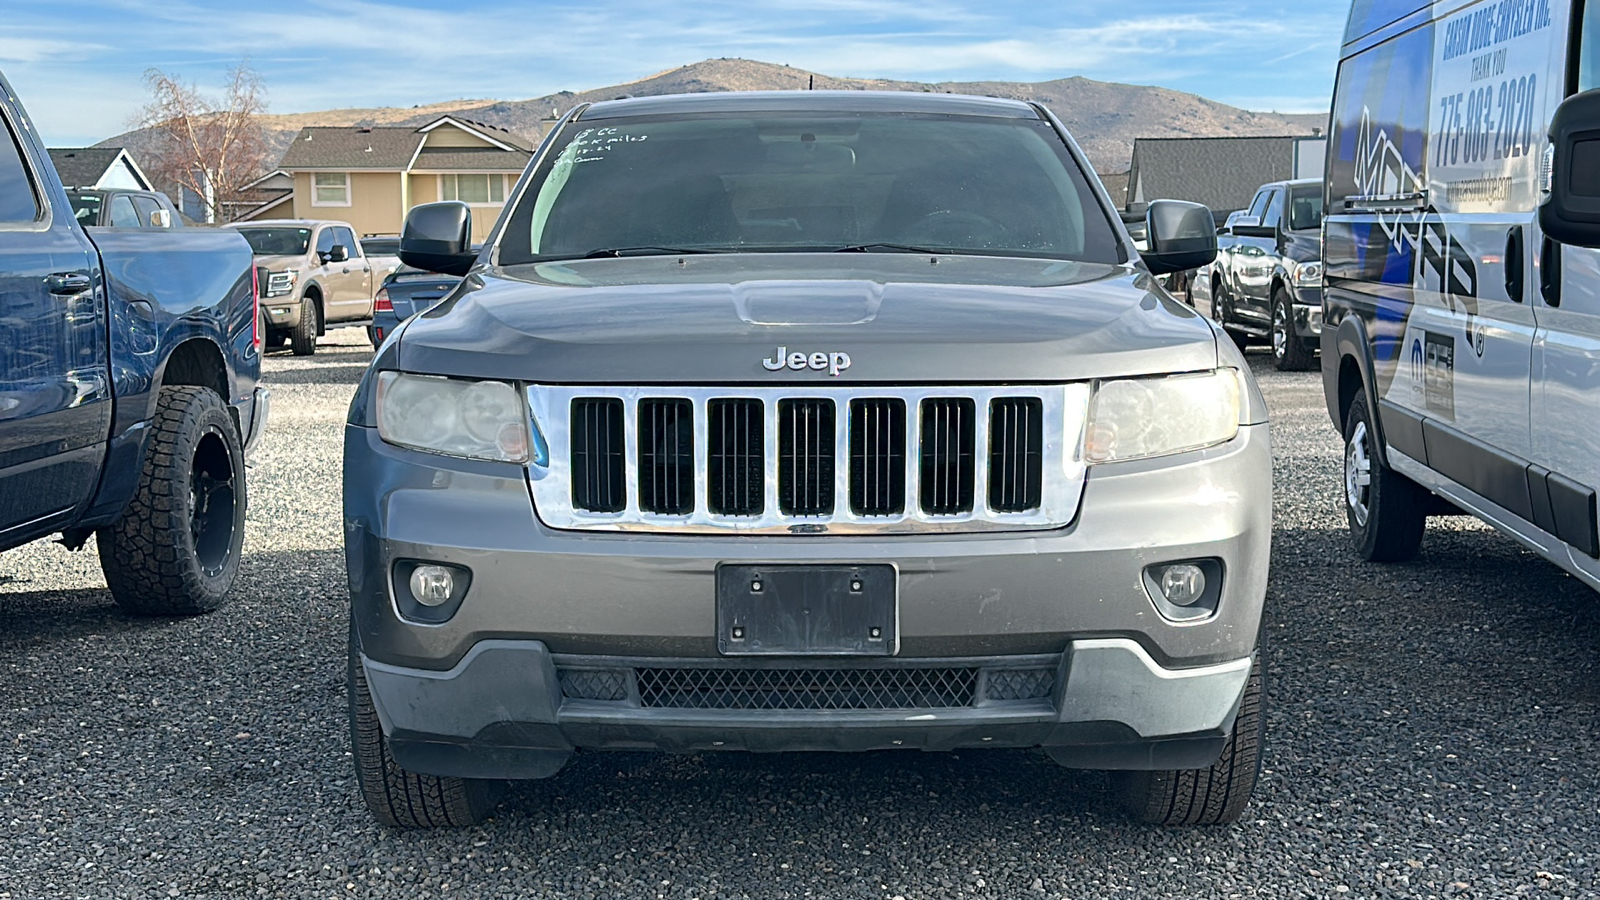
330	189
484	189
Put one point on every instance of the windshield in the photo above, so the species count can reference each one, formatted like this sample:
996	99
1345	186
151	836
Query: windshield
1305	209
86	207
277	241
809	182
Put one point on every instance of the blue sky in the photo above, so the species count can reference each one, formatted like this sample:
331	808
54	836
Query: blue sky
77	64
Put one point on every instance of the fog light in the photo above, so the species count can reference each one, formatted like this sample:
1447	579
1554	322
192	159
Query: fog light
432	585
1182	584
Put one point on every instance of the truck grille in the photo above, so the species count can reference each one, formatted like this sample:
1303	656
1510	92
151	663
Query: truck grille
810	461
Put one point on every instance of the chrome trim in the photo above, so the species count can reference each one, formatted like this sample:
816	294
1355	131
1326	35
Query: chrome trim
1066	409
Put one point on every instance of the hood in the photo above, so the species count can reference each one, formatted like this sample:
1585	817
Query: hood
723	319
1303	246
280	263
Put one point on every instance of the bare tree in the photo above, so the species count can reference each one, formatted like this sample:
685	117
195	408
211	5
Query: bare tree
212	146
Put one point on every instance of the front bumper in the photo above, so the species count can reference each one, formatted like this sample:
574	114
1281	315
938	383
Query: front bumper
480	695
506	710
1308	312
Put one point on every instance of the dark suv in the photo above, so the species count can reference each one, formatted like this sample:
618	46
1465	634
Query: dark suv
1267	281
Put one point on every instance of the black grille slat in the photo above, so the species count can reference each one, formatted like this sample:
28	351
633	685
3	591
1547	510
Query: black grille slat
598	479
1016	454
736	458
807	688
948	458
666	457
805	457
878	457
1019	684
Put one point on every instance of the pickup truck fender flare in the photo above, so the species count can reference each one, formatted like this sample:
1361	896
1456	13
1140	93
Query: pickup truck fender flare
1351	345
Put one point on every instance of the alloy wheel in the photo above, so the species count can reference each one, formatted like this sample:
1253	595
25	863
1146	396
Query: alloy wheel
1358	475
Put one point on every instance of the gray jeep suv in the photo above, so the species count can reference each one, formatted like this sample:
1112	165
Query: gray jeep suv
806	421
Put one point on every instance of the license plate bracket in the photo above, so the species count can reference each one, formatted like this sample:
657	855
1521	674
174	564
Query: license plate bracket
807	610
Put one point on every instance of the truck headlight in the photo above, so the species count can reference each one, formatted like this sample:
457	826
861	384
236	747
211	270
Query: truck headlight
280	283
473	419
1136	418
1308	275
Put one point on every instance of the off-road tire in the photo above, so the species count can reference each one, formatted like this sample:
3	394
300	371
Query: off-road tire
303	336
1215	795
1293	354
1396	507
175	551
395	796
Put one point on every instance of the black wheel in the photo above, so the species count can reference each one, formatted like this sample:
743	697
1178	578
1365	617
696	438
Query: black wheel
303	337
175	551
1289	352
1387	511
398	797
1211	796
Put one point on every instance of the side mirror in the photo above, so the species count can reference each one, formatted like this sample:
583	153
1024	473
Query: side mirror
1570	212
339	253
1183	236
160	219
438	238
1250	226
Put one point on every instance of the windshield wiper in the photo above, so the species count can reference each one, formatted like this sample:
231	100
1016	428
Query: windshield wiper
881	247
613	252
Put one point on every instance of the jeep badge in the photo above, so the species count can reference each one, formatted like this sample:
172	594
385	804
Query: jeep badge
799	362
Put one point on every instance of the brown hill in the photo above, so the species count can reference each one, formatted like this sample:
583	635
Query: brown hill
1104	117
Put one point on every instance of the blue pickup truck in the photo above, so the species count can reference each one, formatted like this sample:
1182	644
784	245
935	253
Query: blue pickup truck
129	387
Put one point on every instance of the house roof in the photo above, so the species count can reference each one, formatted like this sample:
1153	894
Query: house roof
1117	186
85	166
397	147
1222	173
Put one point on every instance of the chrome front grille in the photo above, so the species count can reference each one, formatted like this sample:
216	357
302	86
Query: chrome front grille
798	460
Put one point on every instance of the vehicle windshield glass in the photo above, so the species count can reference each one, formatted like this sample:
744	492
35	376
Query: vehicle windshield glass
86	207
814	181
277	241
1305	209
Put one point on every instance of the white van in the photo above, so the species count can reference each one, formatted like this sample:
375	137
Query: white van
1461	345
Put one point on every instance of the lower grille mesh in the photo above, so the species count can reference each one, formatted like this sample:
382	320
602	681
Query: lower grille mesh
817	688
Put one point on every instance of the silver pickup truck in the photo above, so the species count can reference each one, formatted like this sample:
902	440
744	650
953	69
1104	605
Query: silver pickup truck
318	276
806	421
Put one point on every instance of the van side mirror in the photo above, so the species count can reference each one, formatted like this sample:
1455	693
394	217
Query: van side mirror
1183	236
438	238
1570	212
339	253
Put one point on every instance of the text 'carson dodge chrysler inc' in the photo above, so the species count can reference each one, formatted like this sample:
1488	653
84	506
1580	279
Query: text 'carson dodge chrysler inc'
806	421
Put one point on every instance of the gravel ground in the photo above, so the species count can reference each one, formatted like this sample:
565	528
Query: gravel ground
1431	734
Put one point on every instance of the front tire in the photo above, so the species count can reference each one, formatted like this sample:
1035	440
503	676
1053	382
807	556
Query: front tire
1215	795
176	549
395	796
1387	511
1221	310
1289	352
303	337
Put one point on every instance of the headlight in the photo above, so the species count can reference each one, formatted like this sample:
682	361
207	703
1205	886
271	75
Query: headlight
1144	417
279	283
475	419
1308	274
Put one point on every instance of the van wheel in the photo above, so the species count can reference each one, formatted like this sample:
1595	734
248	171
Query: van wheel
1289	352
303	337
1387	511
1214	795
175	551
395	796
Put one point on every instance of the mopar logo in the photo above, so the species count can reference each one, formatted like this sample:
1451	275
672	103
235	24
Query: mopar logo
834	363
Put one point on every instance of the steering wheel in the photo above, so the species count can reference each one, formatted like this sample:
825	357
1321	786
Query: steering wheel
955	228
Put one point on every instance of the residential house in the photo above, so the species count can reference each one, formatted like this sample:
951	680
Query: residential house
372	176
269	197
1222	173
98	167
